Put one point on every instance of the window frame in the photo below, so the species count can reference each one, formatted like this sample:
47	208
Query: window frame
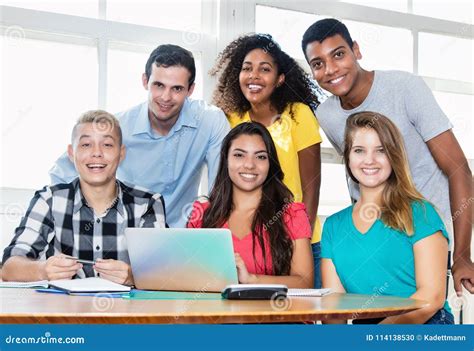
222	21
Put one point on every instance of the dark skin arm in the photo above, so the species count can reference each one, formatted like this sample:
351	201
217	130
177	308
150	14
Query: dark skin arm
451	160
310	173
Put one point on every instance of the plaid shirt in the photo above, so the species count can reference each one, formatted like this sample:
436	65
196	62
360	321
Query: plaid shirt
59	220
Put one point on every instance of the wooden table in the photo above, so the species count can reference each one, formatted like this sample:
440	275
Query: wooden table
28	306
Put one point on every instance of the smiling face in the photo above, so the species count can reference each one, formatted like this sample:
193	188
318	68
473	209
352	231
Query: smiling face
334	64
368	160
96	154
248	163
168	88
259	77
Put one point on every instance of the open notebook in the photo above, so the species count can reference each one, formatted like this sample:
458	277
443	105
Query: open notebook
88	285
37	284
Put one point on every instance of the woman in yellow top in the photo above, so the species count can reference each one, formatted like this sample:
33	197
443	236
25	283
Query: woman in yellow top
260	82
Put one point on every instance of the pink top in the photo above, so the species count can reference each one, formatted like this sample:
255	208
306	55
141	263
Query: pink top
297	224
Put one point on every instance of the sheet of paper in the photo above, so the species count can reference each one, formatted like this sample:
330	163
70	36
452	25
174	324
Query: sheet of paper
307	292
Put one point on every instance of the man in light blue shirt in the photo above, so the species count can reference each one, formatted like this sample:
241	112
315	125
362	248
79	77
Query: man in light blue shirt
169	138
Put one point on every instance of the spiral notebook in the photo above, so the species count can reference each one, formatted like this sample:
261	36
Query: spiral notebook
307	292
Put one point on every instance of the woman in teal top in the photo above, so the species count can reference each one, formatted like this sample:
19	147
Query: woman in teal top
392	241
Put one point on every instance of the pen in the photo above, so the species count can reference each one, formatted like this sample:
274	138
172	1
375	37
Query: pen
80	260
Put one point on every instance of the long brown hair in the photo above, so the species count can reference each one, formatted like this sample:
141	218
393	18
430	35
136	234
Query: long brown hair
400	191
269	215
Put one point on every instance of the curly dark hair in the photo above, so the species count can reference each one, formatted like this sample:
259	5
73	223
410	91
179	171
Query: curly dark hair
298	86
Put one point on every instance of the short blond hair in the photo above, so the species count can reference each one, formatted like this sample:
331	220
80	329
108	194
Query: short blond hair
103	120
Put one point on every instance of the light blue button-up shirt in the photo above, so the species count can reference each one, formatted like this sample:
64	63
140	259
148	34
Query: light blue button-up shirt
170	165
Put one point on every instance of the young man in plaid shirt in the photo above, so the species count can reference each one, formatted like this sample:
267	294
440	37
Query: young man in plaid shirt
86	218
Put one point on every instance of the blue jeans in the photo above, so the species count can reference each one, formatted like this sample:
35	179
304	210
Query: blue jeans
316	247
441	317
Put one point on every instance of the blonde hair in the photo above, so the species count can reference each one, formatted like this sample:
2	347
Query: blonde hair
102	120
400	191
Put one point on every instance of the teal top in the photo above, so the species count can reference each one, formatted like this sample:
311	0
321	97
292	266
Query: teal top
381	261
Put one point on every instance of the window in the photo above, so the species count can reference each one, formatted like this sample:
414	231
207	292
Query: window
446	57
56	66
124	78
456	10
383	47
85	8
393	5
46	85
459	108
291	25
177	14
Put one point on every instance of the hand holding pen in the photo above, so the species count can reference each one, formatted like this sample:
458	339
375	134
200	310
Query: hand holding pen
60	267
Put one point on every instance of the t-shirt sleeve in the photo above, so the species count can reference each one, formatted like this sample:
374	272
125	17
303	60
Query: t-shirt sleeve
326	239
297	221
423	110
197	214
306	131
426	222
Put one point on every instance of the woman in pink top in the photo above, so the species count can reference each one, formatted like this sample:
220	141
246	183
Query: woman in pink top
271	233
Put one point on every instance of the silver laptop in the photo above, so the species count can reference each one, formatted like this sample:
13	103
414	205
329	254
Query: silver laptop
181	259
